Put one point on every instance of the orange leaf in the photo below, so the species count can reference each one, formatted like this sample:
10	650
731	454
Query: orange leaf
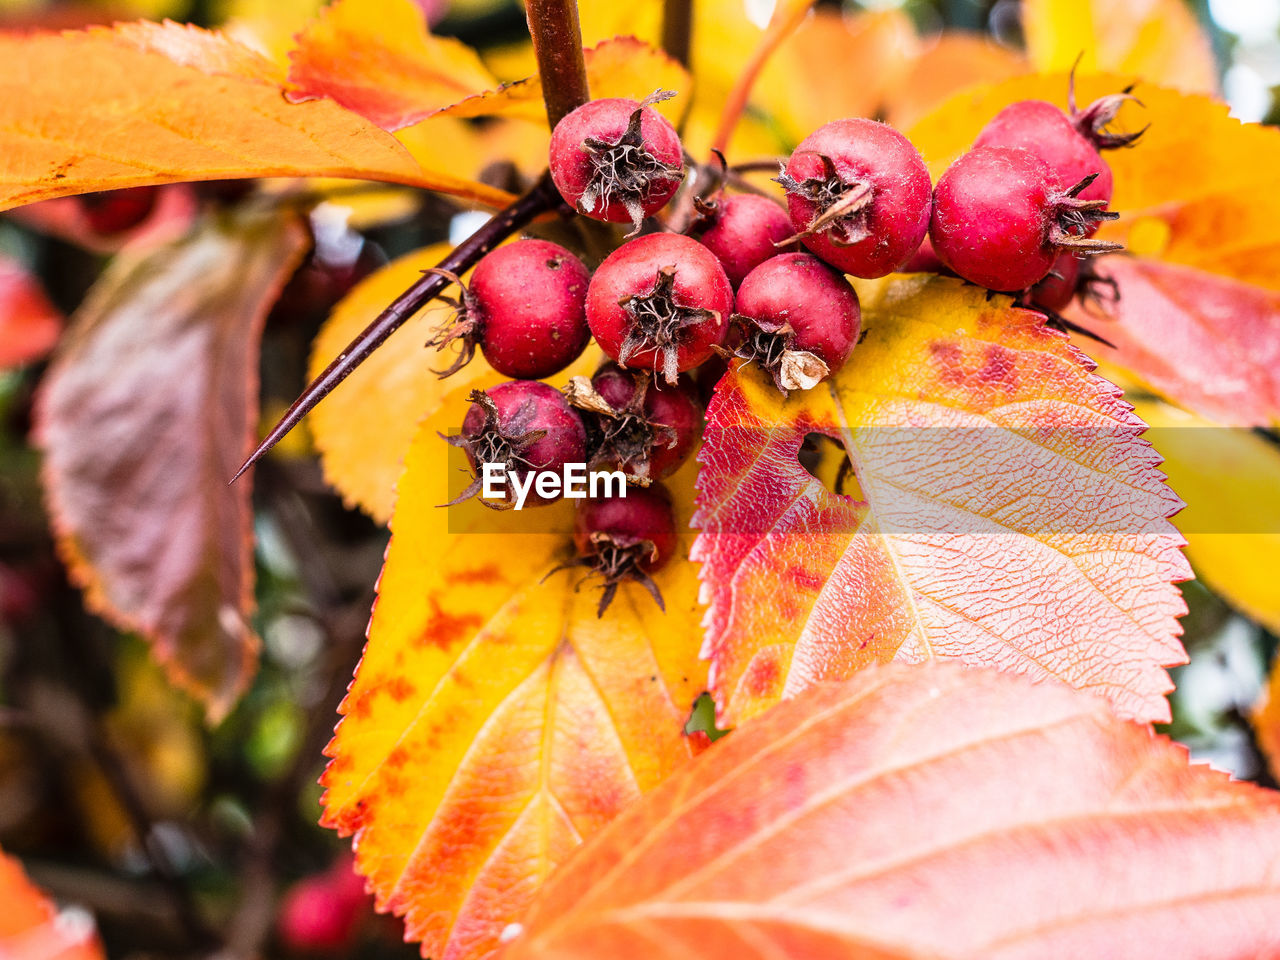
1208	343
954	61
364	428
1005	513
927	811
494	721
168	103
29	323
144	417
1159	40
31	928
380	60
1266	720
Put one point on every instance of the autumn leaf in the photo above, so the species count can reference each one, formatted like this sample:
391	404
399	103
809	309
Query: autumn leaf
144	416
927	811
494	721
1159	40
32	928
1003	511
1266	720
1208	343
954	60
172	103
1228	477
364	428
29	323
381	61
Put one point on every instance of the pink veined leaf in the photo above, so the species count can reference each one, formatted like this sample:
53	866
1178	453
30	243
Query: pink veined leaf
999	507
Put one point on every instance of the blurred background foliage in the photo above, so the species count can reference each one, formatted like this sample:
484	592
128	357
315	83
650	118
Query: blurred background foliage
114	791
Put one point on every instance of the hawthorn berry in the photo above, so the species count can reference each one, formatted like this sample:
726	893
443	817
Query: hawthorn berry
858	194
798	318
1058	287
525	426
323	913
525	310
626	538
1001	218
660	302
617	160
632	425
116	211
744	230
1045	131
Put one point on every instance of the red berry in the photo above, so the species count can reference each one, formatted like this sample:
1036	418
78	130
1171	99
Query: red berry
524	425
118	210
799	319
1058	287
925	260
633	425
323	913
626	538
661	302
858	193
617	160
744	232
1000	219
1045	131
525	309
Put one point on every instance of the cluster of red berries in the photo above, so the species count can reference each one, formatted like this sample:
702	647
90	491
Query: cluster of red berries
749	279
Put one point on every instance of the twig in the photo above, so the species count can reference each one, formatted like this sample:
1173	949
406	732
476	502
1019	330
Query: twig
557	43
541	198
788	15
677	29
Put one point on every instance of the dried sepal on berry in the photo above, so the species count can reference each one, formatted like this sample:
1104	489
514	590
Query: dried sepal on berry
623	436
772	345
840	203
657	319
463	327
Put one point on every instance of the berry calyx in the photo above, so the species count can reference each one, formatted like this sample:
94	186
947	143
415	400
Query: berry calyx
743	231
1093	120
1000	218
799	320
632	425
625	538
617	160
525	309
859	196
660	302
523	425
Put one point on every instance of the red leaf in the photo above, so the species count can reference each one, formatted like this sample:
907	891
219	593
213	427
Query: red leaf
1005	512
927	811
144	417
1207	342
29	323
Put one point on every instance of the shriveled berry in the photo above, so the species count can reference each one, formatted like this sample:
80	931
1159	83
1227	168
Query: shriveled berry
744	231
660	302
626	538
525	310
1001	218
617	160
525	426
858	194
799	319
116	211
1045	131
1058	287
634	426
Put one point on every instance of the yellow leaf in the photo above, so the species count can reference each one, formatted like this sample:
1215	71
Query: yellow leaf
1159	40
1228	477
377	58
171	103
268	26
364	428
494	721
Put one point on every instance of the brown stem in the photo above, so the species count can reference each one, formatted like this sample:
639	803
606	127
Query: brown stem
557	43
677	29
541	198
788	15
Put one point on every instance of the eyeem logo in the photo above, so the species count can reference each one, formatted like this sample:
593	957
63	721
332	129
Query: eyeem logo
574	482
